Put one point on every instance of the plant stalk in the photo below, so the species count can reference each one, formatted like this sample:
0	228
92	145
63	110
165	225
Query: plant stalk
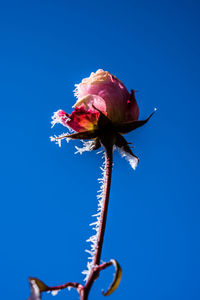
95	271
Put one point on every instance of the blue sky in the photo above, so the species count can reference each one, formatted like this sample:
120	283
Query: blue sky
48	194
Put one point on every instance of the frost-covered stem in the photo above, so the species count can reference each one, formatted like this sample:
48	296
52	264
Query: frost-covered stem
64	286
108	158
95	271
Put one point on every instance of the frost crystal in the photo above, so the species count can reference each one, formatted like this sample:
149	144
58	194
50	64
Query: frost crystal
87	146
96	225
60	117
58	139
76	91
54	293
57	119
133	161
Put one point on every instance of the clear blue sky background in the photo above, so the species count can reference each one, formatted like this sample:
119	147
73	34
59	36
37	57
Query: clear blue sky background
48	194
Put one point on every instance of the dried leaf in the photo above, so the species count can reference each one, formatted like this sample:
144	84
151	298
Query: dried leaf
37	286
116	280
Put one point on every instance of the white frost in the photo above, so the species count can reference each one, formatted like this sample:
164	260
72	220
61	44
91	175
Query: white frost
133	161
56	119
87	146
55	292
96	224
58	139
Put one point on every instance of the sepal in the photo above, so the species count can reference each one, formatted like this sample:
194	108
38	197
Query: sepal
130	126
84	135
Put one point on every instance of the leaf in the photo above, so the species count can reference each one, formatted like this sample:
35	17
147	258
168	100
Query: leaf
37	286
117	278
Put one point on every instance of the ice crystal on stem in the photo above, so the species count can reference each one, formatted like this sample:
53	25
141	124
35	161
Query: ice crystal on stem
96	225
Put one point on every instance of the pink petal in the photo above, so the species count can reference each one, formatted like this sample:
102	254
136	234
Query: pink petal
91	101
82	119
61	117
119	108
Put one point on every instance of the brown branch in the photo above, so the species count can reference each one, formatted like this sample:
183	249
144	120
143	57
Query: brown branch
74	285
